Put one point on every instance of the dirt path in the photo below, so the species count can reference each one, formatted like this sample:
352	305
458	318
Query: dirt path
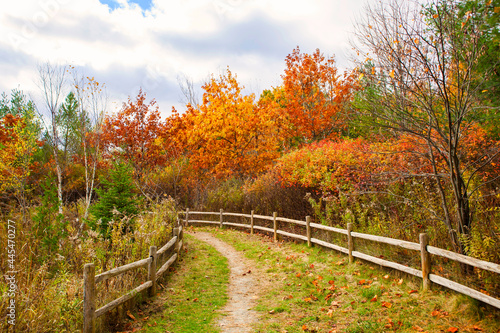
243	287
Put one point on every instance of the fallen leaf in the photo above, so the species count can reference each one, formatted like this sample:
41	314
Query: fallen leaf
435	313
476	328
374	299
387	305
131	316
452	329
335	304
400	282
412	291
418	328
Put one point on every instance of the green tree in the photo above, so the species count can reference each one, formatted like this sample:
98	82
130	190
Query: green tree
49	226
116	200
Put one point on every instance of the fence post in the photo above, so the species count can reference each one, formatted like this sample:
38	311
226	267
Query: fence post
89	298
152	270
251	223
187	217
275	226
177	241
426	262
221	217
350	242
308	230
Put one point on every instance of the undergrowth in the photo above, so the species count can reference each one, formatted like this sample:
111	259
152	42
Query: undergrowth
49	295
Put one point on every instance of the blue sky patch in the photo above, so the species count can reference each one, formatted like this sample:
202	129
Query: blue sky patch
144	4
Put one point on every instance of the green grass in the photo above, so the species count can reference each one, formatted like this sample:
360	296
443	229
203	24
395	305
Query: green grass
193	294
317	290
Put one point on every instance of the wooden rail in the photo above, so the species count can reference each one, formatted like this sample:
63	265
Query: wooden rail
422	247
90	314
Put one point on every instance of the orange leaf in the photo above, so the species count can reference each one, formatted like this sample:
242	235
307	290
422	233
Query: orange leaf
412	291
387	305
452	329
130	315
418	328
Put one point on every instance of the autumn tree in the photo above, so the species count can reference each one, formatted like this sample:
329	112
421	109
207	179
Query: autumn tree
20	132
230	135
132	134
91	100
315	96
418	66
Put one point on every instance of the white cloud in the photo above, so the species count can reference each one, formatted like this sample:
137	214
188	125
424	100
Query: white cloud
131	47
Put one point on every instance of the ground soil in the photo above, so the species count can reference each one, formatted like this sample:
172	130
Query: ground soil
243	289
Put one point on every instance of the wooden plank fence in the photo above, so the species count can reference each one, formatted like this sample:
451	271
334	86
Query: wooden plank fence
423	247
90	280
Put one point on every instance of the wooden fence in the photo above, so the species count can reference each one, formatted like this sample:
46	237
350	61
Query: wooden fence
90	314
423	247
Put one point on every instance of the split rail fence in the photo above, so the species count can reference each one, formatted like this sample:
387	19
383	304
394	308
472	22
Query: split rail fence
423	247
90	314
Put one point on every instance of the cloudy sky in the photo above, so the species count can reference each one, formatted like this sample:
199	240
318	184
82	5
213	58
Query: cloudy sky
150	43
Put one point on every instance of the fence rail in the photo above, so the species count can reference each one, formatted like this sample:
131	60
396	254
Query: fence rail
425	250
90	314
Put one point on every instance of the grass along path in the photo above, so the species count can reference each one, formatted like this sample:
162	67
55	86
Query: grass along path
316	290
191	297
309	290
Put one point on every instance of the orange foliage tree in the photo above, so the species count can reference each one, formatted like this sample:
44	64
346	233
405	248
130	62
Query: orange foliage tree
230	135
315	96
132	134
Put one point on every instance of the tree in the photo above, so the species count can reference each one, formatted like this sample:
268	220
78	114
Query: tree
116	200
92	100
51	82
230	135
133	133
417	69
315	96
19	142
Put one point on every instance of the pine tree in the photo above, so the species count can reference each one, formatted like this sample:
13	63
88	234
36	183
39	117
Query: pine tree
116	200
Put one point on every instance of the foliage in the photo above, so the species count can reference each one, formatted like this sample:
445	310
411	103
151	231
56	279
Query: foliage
315	96
132	132
230	135
116	201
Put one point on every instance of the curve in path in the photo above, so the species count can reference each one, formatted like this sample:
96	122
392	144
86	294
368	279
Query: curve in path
242	289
